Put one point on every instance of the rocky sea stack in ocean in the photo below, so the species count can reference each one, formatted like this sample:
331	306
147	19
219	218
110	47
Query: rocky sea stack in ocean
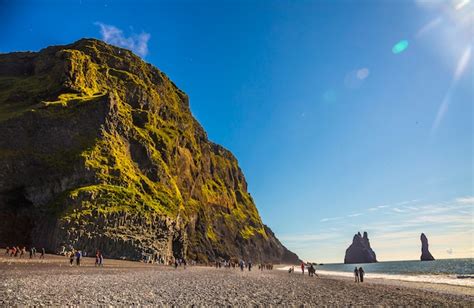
100	150
425	253
360	251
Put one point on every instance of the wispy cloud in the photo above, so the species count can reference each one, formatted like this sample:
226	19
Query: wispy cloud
330	219
398	210
138	43
466	200
354	215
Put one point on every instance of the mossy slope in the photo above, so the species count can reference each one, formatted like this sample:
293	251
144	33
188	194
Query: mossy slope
136	171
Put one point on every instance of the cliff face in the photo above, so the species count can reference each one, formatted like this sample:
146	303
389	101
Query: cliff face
425	253
360	251
99	149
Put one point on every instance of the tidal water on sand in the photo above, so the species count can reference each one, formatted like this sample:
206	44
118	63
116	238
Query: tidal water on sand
447	271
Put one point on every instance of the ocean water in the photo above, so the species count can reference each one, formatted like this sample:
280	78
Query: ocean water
446	271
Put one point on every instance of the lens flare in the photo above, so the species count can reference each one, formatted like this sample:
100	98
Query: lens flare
400	47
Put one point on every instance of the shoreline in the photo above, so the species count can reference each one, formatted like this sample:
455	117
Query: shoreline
53	282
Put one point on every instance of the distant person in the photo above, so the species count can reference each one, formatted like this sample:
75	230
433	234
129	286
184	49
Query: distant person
101	259
31	253
78	258
97	258
71	258
241	264
42	253
361	274
302	268
250	266
175	263
311	270
356	274
7	251
34	252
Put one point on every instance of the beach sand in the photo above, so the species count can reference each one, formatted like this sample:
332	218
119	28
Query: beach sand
54	282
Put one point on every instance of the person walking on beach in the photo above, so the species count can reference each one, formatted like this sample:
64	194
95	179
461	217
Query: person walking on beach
101	259
71	258
97	258
250	266
356	274
302	268
312	270
241	264
78	258
42	253
361	274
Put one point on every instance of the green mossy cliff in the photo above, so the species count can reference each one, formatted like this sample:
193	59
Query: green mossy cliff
99	149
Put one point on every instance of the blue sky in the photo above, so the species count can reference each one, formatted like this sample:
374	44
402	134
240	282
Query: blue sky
334	131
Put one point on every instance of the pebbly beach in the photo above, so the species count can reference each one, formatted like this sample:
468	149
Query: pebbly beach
53	282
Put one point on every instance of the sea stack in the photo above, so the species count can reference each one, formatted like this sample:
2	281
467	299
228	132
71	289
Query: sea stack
425	253
360	251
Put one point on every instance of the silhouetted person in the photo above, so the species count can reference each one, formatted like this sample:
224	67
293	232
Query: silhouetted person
302	268
361	274
312	270
78	258
42	253
356	274
71	258
101	259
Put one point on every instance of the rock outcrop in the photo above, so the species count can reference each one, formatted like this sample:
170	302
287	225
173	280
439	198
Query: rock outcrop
360	251
425	253
99	149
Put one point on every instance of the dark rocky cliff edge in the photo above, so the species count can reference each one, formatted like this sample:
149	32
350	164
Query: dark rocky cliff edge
425	252
99	149
360	251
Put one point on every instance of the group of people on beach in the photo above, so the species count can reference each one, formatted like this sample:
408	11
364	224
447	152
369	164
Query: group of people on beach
180	262
311	269
19	252
77	255
243	265
359	274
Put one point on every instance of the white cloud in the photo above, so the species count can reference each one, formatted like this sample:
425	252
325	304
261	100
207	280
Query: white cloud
330	219
138	43
398	210
465	200
354	215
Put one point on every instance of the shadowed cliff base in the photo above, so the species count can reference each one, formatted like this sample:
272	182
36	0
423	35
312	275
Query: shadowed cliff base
99	150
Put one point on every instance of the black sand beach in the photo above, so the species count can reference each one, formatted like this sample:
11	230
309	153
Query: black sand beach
54	282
